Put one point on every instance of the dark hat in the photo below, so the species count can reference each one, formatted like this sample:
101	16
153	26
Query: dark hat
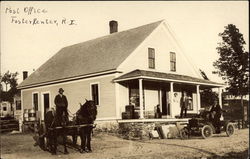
60	89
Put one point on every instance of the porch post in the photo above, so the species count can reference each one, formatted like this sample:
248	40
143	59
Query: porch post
141	99
171	98
160	98
117	99
220	101
220	97
198	98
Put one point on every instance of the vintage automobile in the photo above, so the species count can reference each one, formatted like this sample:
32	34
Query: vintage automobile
203	125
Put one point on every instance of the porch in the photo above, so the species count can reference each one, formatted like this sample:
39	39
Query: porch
144	90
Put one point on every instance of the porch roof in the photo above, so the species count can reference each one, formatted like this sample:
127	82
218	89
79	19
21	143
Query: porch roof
137	74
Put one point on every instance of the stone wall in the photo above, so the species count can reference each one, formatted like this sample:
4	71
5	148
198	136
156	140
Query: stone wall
134	130
142	130
107	126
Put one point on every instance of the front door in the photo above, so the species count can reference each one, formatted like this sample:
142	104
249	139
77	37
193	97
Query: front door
46	103
164	103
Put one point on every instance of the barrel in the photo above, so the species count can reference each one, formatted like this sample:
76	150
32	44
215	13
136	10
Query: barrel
26	115
32	115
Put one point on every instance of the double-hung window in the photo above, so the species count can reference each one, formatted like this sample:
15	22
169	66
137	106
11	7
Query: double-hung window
172	61
95	93
151	58
35	101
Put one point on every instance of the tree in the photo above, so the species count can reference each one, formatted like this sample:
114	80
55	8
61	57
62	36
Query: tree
9	79
208	97
233	63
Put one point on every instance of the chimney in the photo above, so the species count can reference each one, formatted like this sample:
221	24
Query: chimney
25	74
113	26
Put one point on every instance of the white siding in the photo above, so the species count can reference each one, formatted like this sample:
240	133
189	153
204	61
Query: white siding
76	92
151	99
123	97
163	43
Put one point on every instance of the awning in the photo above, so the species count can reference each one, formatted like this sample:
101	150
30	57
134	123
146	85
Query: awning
151	75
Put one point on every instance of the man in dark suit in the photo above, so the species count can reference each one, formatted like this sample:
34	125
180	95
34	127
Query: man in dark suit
216	113
184	104
61	103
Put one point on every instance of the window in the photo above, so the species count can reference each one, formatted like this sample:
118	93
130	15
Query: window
95	93
35	101
190	101
172	61
134	95
4	108
151	58
18	105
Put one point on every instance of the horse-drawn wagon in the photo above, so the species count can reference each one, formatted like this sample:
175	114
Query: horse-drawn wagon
81	125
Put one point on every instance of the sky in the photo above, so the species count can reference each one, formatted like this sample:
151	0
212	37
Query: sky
26	44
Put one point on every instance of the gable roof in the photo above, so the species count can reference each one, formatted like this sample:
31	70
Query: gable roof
164	76
93	56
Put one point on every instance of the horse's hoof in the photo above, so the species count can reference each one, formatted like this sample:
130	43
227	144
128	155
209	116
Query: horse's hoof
82	150
53	153
89	151
66	152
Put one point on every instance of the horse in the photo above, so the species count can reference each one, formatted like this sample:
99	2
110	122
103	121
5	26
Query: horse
85	115
52	132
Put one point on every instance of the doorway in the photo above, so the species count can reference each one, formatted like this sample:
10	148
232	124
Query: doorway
45	103
165	102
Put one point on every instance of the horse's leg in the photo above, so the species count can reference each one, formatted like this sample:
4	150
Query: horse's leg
83	139
64	141
88	136
52	142
74	138
55	141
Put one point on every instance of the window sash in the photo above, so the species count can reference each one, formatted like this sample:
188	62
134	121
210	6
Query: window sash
172	61
172	66
151	58
18	105
95	93
151	63
35	101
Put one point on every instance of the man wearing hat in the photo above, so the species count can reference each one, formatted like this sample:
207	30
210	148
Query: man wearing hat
184	104
61	103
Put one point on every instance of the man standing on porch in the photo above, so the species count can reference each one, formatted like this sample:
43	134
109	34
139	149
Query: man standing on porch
184	104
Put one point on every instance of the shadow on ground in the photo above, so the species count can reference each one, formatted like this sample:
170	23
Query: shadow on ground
232	155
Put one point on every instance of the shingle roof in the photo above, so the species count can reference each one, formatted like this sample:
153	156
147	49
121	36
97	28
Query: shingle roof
98	55
139	73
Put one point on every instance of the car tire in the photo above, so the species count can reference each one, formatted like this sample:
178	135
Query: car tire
230	129
184	133
206	131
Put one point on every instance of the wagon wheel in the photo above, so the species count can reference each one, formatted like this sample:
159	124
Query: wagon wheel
184	133
206	131
229	129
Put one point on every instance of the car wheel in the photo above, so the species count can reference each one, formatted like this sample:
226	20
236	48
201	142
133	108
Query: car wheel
230	129
206	131
184	133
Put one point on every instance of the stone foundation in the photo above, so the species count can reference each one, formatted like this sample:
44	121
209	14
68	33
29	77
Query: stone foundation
134	130
107	126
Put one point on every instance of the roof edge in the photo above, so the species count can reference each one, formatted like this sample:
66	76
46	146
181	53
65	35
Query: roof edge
140	75
68	79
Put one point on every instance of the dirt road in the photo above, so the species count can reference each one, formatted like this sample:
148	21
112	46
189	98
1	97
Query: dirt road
20	146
